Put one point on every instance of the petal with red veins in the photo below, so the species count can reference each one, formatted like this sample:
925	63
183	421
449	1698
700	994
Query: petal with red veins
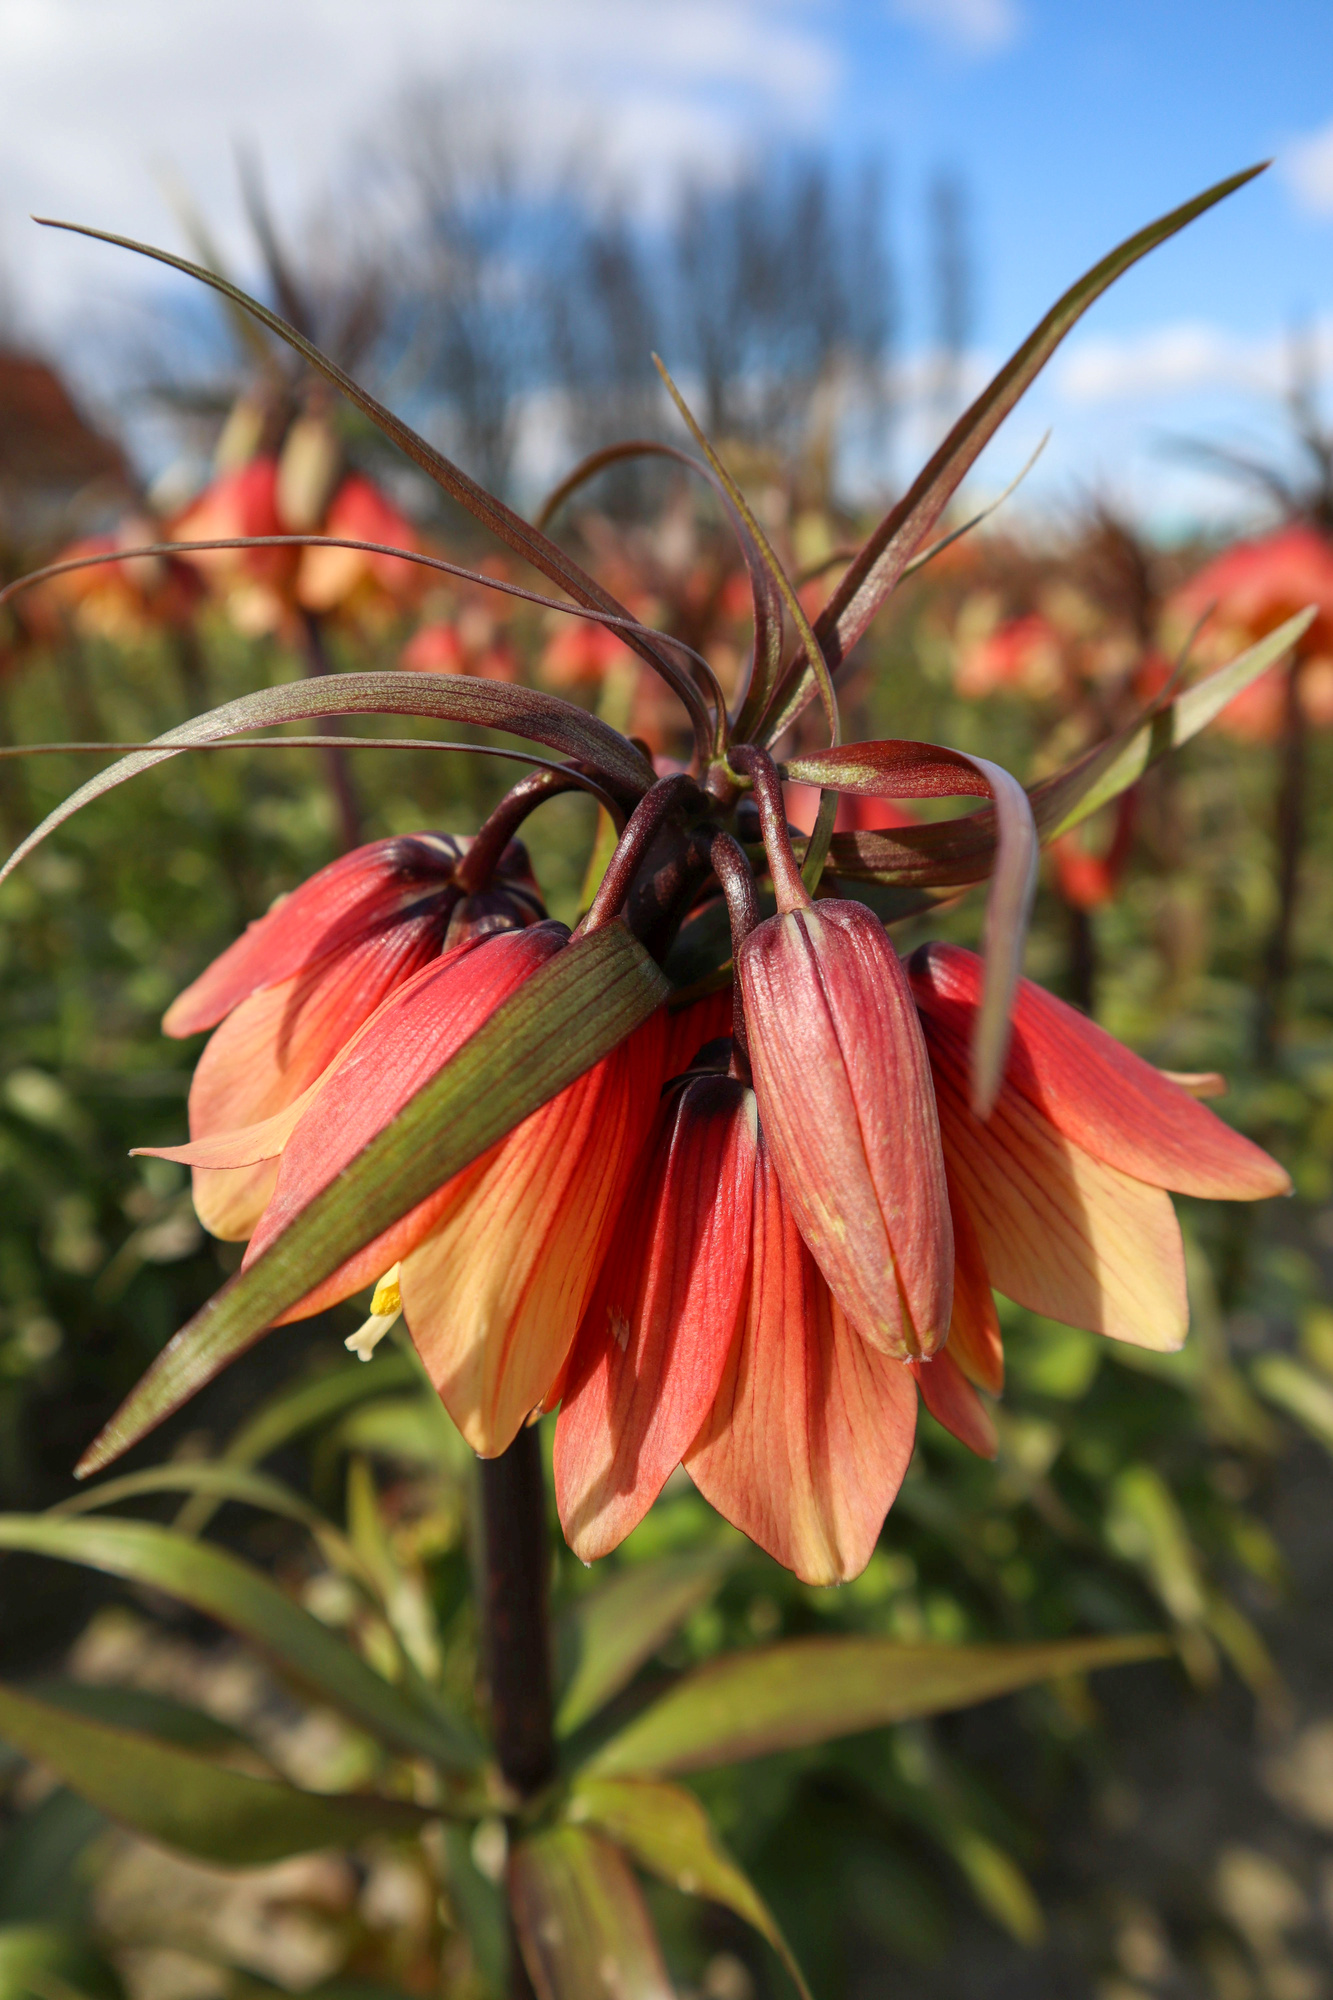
953	1402
1094	1090
811	1430
974	1328
848	1111
413	1036
346	904
660	1324
1061	1232
494	1292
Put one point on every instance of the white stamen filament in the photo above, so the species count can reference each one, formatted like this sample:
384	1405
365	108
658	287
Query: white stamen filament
386	1307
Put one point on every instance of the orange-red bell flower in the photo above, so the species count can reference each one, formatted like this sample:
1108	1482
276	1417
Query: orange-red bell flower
1247	592
848	1112
298	985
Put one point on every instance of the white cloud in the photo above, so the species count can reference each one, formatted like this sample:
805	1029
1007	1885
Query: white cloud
978	27
1184	358
1308	166
96	94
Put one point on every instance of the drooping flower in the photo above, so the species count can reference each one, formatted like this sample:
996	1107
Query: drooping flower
1065	1184
848	1112
293	991
1249	591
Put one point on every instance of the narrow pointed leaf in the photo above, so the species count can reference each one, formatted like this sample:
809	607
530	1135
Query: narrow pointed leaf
667	1831
210	1580
952	853
509	527
608	1633
811	1690
572	1012
148	1714
1061	801
296	1409
767	602
582	1922
185	1801
887	552
543	718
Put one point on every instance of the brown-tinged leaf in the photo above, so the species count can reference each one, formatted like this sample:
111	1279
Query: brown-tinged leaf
667	1831
211	1580
542	718
901	533
560	1022
810	1690
509	527
188	1802
608	1632
582	1922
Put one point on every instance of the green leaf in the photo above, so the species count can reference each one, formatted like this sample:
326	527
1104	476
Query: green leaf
543	718
582	1922
1298	1391
667	1831
607	1633
955	852
43	1962
297	1408
1060	802
573	1011
810	1690
509	527
887	552
186	1801
221	1585
150	1714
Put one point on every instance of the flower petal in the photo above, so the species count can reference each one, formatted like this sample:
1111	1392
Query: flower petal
412	1037
345	904
1061	1232
953	1402
661	1322
811	1431
1096	1091
493	1294
848	1112
974	1327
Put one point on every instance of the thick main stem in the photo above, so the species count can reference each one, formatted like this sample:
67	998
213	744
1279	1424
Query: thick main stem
517	1630
1290	829
335	759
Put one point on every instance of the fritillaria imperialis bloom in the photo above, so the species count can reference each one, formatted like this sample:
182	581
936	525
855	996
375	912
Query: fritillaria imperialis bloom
753	1260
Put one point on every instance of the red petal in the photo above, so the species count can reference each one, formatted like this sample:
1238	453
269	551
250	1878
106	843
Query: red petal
663	1317
974	1329
811	1431
494	1292
953	1402
688	1028
1061	1232
848	1110
346	904
413	1037
1094	1090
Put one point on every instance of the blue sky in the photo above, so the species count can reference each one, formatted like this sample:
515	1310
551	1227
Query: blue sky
1073	121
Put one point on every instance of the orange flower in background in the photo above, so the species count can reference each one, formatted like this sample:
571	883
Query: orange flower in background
581	655
440	648
1023	656
121	600
1248	592
334	579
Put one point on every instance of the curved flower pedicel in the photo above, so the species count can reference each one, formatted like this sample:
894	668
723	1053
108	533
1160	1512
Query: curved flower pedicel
761	1276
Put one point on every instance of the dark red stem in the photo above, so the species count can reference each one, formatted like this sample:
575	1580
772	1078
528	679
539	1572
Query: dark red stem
335	760
763	775
475	870
668	796
732	868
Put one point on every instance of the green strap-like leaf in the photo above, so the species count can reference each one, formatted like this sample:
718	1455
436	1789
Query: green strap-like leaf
296	1408
608	1632
1060	802
242	1598
542	718
811	1690
582	1922
667	1831
571	1013
149	1714
509	527
186	1801
953	853
901	533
